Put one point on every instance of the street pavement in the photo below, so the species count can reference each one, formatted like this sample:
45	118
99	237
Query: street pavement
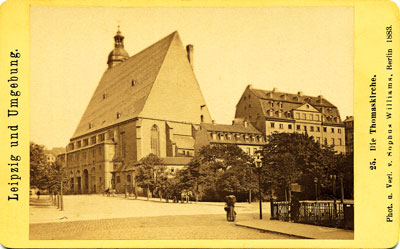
92	207
298	230
149	228
93	217
101	217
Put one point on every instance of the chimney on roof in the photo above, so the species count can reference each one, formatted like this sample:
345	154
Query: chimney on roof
213	122
300	93
245	123
275	89
189	51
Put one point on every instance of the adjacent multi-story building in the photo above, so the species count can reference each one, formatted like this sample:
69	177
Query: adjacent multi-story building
147	103
240	133
349	131
274	111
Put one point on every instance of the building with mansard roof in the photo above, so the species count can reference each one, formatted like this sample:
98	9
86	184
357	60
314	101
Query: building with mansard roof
274	111
148	103
240	133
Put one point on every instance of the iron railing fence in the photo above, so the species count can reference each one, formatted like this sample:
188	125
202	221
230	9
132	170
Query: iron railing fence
321	213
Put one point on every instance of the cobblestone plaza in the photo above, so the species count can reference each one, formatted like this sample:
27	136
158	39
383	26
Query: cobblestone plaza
101	217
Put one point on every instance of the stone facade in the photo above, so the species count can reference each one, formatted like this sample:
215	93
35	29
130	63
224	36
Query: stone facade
148	103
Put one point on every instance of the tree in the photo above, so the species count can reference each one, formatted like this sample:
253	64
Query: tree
162	180
218	170
43	174
292	158
149	169
345	170
38	166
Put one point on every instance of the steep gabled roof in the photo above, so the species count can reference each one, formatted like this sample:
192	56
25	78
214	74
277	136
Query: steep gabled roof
269	101
124	88
294	98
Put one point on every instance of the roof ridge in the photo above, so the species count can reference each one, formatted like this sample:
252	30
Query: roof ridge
143	50
120	73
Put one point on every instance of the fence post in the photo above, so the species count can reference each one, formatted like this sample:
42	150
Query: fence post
61	198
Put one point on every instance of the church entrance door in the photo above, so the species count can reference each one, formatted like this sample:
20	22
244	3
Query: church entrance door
79	181
85	181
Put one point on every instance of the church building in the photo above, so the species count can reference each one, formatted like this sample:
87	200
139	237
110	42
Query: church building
147	103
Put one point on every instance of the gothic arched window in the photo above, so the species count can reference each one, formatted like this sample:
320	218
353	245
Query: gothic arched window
155	140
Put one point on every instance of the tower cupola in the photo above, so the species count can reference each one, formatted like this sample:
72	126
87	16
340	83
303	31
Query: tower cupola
118	54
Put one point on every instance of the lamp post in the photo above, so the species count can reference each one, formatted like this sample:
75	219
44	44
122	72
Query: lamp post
258	162
61	197
316	188
341	176
333	177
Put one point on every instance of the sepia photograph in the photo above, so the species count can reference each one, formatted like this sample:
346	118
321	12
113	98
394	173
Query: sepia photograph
191	123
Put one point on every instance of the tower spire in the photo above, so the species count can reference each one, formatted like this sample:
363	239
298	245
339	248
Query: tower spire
118	54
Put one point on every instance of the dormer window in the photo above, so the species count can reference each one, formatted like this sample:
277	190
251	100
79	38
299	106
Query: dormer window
133	82
104	95
271	112
118	115
90	125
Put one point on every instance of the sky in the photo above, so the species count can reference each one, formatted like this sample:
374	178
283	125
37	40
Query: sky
308	49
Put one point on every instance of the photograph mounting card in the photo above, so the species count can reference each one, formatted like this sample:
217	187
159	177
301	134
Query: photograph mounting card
181	124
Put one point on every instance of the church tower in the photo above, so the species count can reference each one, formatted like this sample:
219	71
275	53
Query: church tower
118	54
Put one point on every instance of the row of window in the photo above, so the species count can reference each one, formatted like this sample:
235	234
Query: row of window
303	116
85	142
86	155
236	137
332	141
305	128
